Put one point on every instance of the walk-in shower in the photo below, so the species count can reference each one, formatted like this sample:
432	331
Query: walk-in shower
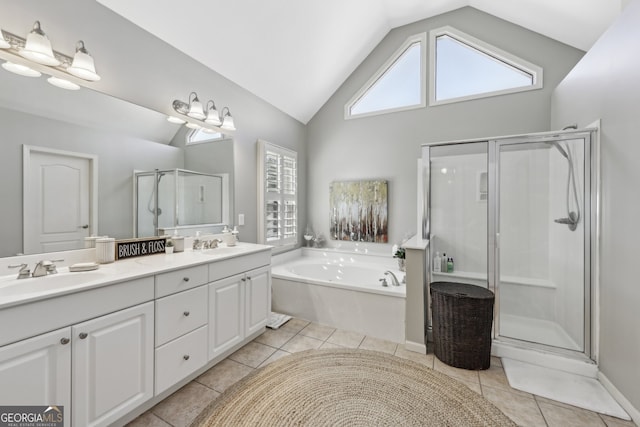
179	199
514	214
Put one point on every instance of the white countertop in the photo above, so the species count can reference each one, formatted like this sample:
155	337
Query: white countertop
21	291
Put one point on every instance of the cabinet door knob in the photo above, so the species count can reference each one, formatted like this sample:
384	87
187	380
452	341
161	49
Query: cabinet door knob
65	341
185	279
185	357
248	277
244	279
83	335
186	314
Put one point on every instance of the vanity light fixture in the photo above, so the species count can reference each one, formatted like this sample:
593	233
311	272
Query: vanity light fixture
207	118
227	121
20	69
34	56
38	48
83	65
62	83
212	114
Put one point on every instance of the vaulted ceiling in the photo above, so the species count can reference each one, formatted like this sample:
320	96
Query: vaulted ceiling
294	54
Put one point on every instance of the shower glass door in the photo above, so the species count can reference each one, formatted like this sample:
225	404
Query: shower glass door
542	240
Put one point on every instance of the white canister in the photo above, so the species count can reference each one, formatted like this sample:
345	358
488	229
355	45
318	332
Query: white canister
105	250
178	243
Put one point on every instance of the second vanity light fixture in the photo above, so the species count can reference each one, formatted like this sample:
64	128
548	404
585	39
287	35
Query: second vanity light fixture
34	56
208	115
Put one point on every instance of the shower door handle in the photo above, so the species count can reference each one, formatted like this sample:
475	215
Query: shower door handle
497	240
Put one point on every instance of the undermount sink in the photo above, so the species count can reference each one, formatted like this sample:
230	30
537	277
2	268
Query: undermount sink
220	251
10	286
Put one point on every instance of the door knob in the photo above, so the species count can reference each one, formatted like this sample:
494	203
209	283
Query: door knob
84	226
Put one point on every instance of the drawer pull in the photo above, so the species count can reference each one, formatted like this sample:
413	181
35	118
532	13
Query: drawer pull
185	357
83	335
185	279
186	314
65	341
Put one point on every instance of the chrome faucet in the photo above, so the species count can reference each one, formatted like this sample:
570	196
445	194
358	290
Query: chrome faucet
24	272
45	267
394	279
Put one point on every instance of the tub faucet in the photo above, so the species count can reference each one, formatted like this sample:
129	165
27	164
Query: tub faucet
394	279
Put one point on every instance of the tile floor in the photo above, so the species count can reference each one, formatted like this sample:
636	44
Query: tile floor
525	409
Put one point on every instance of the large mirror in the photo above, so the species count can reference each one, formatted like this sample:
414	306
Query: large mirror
116	136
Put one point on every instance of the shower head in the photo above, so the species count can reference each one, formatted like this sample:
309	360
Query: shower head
559	148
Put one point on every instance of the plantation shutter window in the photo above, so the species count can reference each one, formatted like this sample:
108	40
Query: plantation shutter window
278	209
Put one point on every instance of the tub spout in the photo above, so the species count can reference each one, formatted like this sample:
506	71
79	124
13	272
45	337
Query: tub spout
394	279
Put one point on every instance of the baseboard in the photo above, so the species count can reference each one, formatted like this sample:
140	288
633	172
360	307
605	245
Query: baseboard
416	347
619	397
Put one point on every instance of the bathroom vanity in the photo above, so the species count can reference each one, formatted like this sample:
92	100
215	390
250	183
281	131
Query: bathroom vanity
111	343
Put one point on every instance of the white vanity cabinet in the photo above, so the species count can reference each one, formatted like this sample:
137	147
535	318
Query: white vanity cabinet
112	366
257	299
37	371
239	306
109	359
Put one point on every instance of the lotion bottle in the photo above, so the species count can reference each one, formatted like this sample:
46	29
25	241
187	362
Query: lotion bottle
443	265
437	263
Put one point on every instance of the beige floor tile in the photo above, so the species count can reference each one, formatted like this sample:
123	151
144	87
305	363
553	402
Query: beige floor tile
616	422
376	344
184	405
496	361
319	332
275	337
328	345
294	325
279	354
253	354
425	359
494	377
148	419
224	374
521	409
346	338
557	416
301	343
462	374
541	399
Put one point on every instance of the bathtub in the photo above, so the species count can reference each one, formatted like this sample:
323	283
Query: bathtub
341	290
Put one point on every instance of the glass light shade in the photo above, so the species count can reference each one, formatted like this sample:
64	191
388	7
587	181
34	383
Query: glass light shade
83	66
227	123
62	83
38	47
193	126
212	117
20	69
4	44
176	120
209	131
195	109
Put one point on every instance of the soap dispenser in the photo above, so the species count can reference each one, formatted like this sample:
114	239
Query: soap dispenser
437	263
234	236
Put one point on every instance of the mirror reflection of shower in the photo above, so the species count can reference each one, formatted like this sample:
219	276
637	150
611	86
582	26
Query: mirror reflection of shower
153	206
168	200
573	217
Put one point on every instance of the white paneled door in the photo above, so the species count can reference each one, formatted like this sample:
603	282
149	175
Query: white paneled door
58	199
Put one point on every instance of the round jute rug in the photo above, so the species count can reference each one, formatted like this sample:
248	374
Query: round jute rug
349	388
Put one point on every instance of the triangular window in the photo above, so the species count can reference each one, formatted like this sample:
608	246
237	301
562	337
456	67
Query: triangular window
463	67
397	85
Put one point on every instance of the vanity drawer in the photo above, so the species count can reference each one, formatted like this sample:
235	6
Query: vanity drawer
179	358
181	280
180	313
236	265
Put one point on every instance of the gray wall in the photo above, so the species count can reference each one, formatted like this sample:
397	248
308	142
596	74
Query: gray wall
387	146
605	85
142	69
